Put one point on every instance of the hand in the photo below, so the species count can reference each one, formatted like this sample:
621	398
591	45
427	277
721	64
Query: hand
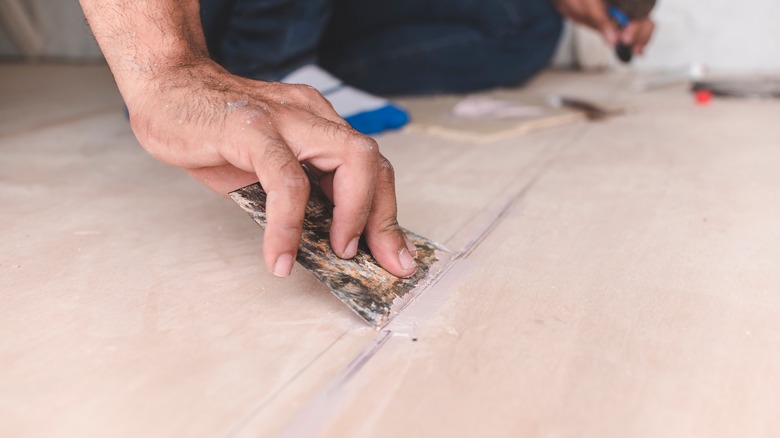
593	13
637	34
228	132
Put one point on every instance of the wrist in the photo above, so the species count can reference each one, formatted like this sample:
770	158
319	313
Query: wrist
145	40
156	76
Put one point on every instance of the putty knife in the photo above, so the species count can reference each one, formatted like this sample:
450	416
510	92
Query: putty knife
360	283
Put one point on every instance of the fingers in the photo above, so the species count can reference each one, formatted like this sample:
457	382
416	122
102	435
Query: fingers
362	187
363	192
376	219
287	189
644	34
591	13
598	19
384	236
361	184
637	34
353	159
354	183
353	174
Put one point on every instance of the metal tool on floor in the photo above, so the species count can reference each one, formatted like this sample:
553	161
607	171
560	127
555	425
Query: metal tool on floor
591	110
749	88
360	283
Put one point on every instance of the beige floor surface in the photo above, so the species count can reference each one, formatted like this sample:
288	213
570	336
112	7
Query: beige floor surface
625	281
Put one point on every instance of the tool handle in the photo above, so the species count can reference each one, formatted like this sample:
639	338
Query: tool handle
624	53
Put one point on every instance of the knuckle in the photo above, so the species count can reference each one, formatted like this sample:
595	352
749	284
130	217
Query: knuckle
291	229
275	154
364	145
387	226
285	234
289	174
293	178
307	92
386	166
386	171
250	113
340	130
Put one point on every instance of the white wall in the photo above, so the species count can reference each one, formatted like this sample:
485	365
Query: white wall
7	47
63	26
724	34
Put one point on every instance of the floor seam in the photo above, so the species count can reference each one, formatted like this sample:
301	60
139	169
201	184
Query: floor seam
259	409
337	385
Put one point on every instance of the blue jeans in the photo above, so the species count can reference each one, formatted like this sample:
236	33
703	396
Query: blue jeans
386	46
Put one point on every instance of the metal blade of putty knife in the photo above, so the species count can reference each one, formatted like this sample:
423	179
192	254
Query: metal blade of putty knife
360	283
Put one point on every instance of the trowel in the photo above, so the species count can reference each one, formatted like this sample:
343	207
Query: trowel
360	283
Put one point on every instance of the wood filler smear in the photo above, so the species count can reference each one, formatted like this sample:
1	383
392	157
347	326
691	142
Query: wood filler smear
360	283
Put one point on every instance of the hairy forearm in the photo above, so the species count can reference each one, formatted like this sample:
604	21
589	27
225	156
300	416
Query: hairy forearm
145	39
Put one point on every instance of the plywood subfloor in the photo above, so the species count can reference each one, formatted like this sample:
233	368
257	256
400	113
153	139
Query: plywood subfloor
622	280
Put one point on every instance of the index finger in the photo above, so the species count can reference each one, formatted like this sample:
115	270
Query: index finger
287	189
354	183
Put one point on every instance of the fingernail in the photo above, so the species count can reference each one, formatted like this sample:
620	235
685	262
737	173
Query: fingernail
351	249
406	260
283	265
410	246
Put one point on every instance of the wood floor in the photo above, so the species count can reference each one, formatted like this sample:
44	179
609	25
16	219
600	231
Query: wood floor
622	280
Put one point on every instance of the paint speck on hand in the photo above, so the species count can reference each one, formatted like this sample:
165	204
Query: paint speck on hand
237	104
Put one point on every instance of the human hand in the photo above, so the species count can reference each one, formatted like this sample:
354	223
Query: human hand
228	132
637	34
593	14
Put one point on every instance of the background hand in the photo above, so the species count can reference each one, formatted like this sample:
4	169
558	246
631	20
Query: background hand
637	34
593	14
